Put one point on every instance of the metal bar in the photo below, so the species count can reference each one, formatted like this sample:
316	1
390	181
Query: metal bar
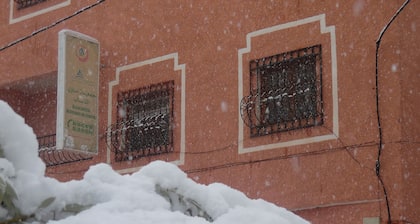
21	4
144	123
286	92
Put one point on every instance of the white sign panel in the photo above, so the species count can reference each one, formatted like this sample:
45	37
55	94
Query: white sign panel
77	92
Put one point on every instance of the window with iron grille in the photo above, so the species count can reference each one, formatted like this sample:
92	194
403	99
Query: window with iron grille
285	92
27	3
144	122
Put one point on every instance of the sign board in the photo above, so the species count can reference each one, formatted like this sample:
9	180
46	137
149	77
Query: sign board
77	92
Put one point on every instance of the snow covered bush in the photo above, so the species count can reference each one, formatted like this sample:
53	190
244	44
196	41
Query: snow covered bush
160	193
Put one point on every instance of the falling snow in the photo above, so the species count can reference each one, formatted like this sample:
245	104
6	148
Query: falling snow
109	197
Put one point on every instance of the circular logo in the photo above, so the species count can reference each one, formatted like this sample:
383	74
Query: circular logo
82	53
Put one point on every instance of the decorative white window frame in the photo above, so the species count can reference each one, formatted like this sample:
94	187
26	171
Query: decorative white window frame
111	84
13	20
335	129
147	119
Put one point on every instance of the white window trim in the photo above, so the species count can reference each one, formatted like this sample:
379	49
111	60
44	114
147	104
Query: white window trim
13	20
335	129
177	67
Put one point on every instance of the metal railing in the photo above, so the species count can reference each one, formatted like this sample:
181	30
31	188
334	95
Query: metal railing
52	156
46	141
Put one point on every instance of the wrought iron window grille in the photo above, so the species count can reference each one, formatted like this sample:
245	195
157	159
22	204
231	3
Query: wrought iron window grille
144	122
51	156
21	4
47	141
285	92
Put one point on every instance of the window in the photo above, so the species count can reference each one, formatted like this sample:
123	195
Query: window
285	92
144	122
27	3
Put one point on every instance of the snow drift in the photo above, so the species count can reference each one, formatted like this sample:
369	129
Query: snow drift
160	193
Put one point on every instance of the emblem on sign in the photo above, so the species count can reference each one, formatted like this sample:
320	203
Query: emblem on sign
82	53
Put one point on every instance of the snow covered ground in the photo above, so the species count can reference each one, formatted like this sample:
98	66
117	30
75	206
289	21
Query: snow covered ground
160	193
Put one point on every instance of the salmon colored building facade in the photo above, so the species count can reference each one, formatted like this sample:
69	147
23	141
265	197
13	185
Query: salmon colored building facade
295	102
